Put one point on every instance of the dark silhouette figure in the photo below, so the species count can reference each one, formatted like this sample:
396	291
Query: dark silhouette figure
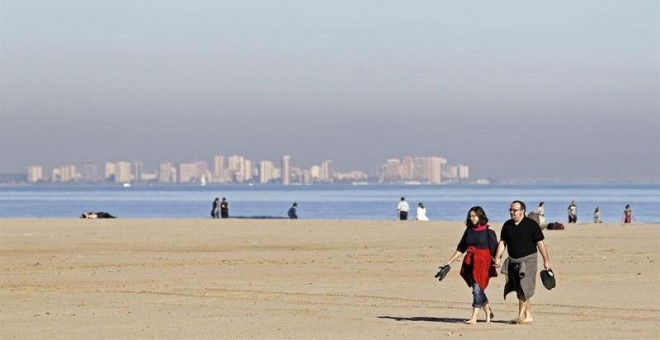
99	214
224	208
293	211
215	211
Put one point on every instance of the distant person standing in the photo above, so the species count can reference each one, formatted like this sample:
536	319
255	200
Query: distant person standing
224	208
597	217
215	210
293	214
540	211
572	213
421	212
627	215
402	209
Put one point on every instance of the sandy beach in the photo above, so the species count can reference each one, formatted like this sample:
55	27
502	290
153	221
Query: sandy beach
203	278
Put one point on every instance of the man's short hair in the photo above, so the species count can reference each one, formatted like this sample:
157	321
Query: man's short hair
522	205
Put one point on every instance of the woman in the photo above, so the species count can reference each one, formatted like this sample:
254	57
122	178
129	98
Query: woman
421	212
627	214
597	217
478	244
215	209
540	211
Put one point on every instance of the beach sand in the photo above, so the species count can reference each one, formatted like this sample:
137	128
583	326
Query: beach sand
203	278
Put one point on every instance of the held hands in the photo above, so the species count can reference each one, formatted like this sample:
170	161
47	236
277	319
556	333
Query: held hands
498	262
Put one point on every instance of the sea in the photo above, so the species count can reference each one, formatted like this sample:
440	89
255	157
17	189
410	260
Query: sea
330	202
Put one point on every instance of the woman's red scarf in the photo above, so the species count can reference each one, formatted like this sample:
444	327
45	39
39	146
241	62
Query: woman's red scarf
477	264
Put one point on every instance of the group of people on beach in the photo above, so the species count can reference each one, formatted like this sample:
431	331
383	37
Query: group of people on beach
523	238
220	208
573	216
403	207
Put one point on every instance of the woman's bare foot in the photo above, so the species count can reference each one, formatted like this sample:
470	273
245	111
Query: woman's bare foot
489	313
473	319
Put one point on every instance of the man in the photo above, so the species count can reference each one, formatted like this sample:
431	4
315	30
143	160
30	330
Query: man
224	208
522	237
402	209
292	211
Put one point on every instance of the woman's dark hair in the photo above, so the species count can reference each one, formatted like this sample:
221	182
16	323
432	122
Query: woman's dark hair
483	219
540	204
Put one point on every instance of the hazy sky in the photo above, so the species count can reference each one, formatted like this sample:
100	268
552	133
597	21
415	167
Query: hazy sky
555	89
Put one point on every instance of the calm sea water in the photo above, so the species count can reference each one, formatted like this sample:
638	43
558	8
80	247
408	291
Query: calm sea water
370	202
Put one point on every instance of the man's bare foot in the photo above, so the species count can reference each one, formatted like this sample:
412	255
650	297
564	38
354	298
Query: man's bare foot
471	322
520	321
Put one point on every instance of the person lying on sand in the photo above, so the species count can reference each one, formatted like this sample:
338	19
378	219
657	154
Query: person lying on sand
100	214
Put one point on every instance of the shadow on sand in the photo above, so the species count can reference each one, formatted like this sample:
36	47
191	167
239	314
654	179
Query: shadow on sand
432	319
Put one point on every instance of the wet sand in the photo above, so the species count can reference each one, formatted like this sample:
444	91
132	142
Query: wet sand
243	278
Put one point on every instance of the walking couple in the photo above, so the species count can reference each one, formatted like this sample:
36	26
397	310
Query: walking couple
523	239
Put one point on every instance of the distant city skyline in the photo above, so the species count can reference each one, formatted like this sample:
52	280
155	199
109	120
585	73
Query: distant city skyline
239	169
518	90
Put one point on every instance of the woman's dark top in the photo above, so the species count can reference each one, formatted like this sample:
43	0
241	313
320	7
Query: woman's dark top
479	239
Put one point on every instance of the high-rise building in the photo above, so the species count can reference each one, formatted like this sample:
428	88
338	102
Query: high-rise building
187	172
123	172
315	172
391	171
193	172
286	170
64	174
236	167
109	171
219	169
326	171
56	175
422	169
435	165
265	171
138	169
34	173
463	171
249	170
451	171
165	173
407	168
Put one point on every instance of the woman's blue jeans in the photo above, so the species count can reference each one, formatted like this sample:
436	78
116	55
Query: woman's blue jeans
479	298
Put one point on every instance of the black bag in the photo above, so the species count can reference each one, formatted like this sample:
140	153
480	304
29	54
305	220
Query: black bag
555	226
